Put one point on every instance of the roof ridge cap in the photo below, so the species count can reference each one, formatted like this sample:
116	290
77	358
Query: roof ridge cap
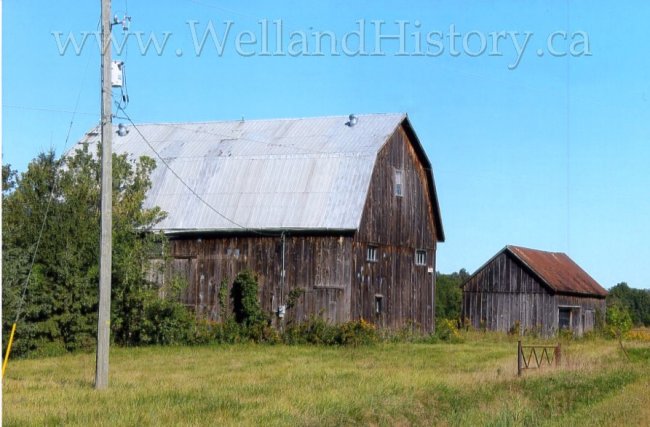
402	115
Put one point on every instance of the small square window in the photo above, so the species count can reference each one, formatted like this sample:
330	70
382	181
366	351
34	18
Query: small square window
399	185
372	254
379	304
420	257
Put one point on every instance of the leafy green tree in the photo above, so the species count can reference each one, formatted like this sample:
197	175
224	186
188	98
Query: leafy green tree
619	323
8	179
60	300
636	301
619	320
449	295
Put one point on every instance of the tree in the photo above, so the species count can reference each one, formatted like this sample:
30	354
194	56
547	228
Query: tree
619	323
8	179
449	295
59	312
636	301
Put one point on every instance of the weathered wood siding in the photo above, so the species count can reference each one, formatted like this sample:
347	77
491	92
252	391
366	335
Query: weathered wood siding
504	293
584	313
332	270
321	266
397	227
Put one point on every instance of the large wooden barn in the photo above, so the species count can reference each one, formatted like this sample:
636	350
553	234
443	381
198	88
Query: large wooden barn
342	209
534	290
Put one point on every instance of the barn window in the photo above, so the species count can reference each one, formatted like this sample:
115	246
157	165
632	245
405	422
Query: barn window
420	257
372	254
379	304
399	185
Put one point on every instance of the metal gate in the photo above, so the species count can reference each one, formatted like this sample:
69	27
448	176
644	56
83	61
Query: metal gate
534	356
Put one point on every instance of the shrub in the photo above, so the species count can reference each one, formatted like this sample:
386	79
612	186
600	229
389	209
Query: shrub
294	296
46	348
410	332
515	329
315	330
224	309
202	332
600	325
619	321
228	332
357	333
639	335
446	330
262	333
246	303
319	331
166	322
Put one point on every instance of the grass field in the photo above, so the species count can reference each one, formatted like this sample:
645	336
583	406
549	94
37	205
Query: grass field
473	383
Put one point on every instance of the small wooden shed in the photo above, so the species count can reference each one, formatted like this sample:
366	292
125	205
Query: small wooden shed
532	290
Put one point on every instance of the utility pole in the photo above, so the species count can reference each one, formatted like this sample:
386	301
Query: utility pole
106	243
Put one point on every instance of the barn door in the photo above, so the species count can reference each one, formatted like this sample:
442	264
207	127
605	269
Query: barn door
564	318
183	271
327	302
588	321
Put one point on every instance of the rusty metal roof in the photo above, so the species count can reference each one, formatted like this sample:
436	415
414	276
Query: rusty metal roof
557	271
278	174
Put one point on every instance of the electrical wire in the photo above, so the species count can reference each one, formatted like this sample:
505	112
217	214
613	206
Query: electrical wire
66	151
124	91
191	190
55	183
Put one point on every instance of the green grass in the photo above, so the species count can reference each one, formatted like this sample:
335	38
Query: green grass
473	383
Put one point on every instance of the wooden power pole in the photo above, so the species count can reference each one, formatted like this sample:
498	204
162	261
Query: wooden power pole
106	243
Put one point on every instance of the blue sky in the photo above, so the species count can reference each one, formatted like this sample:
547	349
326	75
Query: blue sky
553	153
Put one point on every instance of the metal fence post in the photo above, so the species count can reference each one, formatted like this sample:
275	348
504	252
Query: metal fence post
519	358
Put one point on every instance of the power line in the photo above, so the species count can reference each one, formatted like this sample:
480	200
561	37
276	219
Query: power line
186	185
66	151
45	216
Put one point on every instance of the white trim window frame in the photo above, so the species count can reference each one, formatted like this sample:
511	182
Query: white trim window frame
372	253
398	183
420	257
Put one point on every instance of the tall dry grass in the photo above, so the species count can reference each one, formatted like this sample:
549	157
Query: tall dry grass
469	383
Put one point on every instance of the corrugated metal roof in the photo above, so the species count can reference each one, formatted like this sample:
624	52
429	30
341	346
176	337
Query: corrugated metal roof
558	271
309	173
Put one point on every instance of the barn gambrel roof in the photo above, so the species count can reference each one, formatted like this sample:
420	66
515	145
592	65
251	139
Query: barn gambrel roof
279	174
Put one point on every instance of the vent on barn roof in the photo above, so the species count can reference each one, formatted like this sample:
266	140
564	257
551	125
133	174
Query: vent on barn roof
122	130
